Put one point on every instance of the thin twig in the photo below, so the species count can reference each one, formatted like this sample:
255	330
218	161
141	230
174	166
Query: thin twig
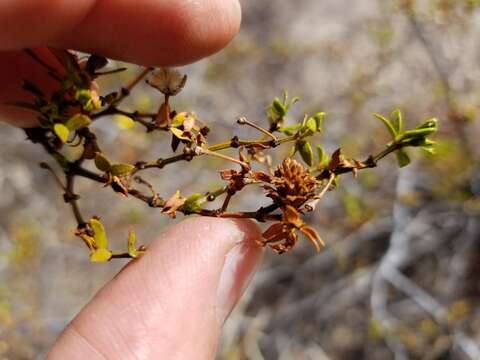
45	166
221	156
125	91
327	187
72	199
244	121
226	202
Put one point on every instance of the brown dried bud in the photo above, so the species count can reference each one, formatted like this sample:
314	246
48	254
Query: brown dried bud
173	204
282	236
292	184
163	116
168	81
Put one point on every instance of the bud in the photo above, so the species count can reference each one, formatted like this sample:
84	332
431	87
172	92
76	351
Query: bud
168	81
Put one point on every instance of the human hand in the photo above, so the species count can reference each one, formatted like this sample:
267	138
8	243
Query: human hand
172	302
146	32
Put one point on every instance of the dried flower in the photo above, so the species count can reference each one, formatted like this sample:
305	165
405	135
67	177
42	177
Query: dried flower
163	116
173	204
292	184
282	236
340	163
121	184
168	81
184	129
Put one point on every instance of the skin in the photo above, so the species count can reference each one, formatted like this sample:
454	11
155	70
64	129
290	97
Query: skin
172	302
147	32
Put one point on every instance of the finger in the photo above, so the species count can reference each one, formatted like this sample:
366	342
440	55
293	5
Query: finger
15	66
172	302
162	32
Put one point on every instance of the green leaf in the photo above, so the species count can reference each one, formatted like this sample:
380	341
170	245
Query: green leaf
290	130
102	163
292	102
278	108
191	203
100	255
306	152
428	146
429	149
397	121
319	118
323	158
178	133
99	234
121	169
431	124
195	197
304	121
62	132
292	151
402	158
423	130
388	124
84	97
179	119
124	122
78	121
312	125
417	134
132	247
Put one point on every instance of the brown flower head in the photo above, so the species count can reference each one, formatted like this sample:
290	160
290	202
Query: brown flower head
291	184
282	236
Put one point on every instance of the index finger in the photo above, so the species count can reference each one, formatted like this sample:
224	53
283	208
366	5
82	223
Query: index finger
147	32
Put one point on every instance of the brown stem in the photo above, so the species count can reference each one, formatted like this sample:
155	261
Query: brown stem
80	171
213	195
244	121
327	186
55	176
161	163
72	198
221	156
252	215
125	91
147	184
121	256
236	143
226	202
135	116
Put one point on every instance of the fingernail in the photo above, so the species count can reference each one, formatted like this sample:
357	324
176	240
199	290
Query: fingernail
239	267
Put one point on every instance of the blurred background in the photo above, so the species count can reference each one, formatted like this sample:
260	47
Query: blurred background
400	276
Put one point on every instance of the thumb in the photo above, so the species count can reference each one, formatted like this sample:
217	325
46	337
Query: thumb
172	302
